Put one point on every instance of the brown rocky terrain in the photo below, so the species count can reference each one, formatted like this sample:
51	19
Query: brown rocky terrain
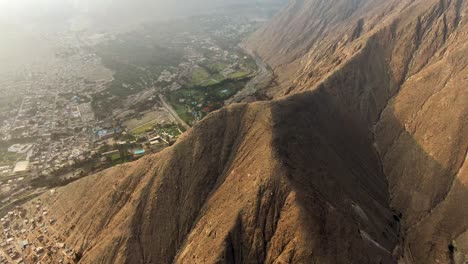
358	158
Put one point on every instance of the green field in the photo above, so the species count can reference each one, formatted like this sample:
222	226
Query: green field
182	110
210	74
217	66
199	76
190	102
238	75
115	156
153	126
143	128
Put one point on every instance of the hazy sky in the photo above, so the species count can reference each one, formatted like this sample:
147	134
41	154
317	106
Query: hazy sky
62	9
22	21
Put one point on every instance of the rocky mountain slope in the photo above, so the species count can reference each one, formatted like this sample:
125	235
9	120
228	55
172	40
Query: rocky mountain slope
402	69
358	158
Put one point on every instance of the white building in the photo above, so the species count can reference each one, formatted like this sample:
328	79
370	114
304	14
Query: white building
21	166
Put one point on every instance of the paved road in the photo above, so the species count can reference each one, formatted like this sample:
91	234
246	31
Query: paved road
49	150
171	110
261	80
19	111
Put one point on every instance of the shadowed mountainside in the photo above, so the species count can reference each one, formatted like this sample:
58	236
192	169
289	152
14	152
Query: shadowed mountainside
407	80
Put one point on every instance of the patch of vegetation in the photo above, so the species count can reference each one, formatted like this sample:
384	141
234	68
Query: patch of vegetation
128	137
210	74
217	67
143	128
239	75
171	129
142	49
199	76
136	61
115	156
183	111
210	82
128	79
193	103
249	63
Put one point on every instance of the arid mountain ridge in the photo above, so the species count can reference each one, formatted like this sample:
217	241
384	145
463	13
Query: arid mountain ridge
359	156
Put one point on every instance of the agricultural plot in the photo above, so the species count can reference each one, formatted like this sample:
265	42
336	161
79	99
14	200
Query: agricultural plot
193	103
158	116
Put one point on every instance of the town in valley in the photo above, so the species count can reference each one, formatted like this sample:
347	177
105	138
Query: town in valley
107	99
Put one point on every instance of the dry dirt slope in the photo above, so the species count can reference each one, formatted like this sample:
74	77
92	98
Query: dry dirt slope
377	93
232	191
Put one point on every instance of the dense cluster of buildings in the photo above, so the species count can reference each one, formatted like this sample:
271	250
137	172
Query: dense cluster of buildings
54	127
46	115
27	235
51	109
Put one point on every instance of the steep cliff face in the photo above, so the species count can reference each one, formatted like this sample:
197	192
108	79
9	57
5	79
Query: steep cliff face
361	162
310	40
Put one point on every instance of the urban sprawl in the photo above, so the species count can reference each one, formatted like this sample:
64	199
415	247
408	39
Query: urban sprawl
93	106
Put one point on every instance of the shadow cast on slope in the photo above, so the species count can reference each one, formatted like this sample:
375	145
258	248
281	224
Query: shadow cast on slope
334	168
336	174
